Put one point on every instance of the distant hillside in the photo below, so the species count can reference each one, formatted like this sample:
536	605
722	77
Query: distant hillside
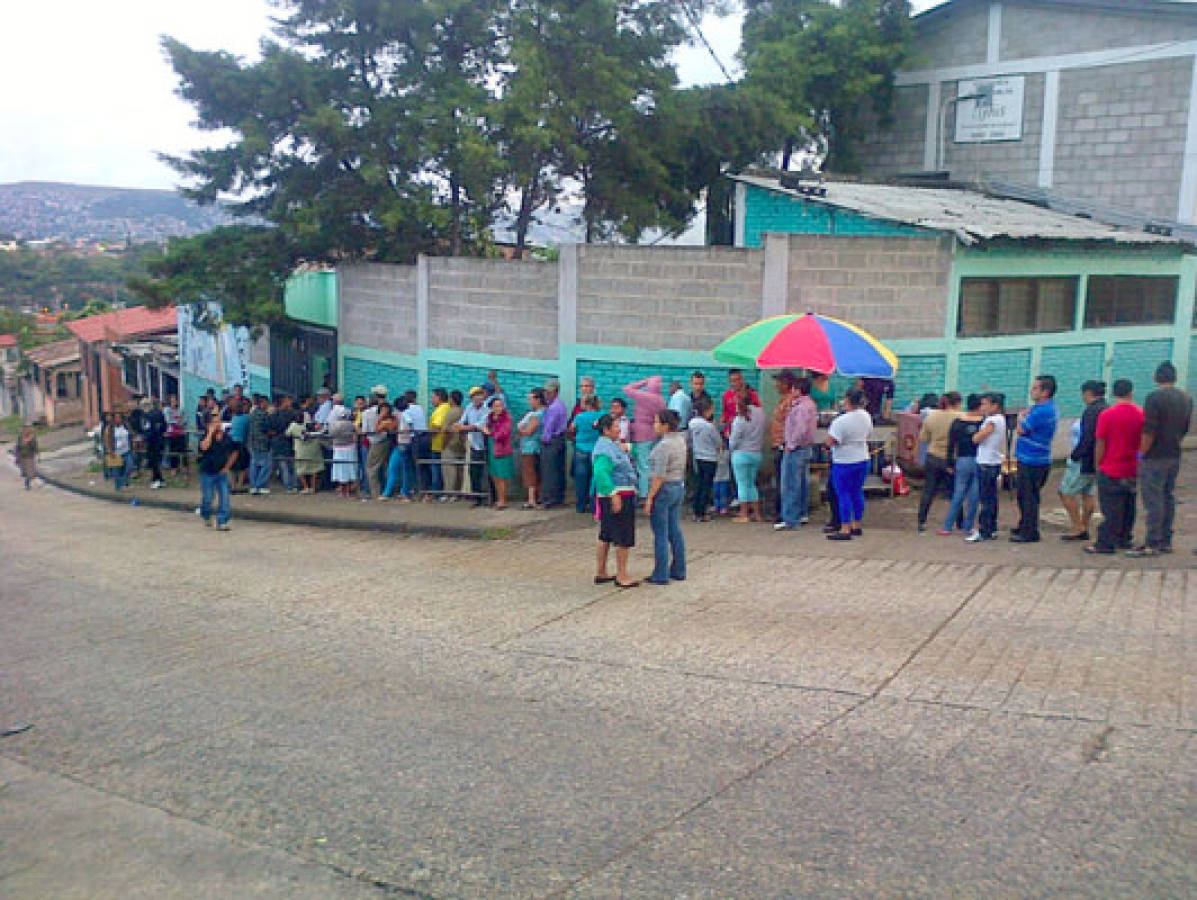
36	210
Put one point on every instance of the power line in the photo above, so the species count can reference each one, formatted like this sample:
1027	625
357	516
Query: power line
697	26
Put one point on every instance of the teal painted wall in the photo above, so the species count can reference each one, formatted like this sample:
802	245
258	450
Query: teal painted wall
918	375
1005	371
1192	379
359	375
1137	361
1072	366
312	297
767	211
259	380
190	388
610	378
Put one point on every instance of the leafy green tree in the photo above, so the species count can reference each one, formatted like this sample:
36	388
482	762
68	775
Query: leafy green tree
832	64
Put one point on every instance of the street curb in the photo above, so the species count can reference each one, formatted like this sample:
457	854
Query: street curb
280	518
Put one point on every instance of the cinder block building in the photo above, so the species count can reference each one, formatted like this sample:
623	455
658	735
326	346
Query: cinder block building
1089	100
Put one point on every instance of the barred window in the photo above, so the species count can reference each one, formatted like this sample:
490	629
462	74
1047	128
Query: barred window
1130	300
991	306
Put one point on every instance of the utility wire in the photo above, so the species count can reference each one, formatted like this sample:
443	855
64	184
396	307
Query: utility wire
697	26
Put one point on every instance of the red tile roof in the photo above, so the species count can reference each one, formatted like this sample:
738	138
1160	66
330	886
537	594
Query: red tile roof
8	340
124	323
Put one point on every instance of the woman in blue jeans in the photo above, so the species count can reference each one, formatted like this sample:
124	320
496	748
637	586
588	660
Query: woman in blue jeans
666	493
747	438
848	438
962	456
401	470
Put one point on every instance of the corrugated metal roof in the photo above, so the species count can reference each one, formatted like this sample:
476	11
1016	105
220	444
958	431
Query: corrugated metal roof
55	354
124	323
971	216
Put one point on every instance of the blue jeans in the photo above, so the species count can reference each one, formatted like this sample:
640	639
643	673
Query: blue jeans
723	495
746	466
401	472
583	473
987	481
432	473
795	485
965	493
124	473
214	487
644	468
849	481
286	471
259	468
666	521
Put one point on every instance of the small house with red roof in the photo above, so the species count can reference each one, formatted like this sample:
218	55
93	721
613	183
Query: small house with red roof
100	338
10	356
51	390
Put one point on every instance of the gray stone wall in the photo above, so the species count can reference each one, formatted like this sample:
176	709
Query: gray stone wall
378	306
894	287
497	306
900	147
259	350
1034	29
1011	160
685	298
1121	134
953	37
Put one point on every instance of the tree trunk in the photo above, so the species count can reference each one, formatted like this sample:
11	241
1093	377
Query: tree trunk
786	153
455	213
523	218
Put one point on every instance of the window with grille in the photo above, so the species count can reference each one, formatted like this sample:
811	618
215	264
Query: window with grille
1016	305
1130	300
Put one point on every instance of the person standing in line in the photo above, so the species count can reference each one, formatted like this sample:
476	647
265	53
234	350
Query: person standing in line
499	429
619	412
585	391
962	463
216	459
413	416
797	438
120	449
1118	437
991	444
436	445
282	454
175	435
552	447
747	438
821	392
647	401
258	442
585	436
736	387
879	397
615	487
934	433
529	432
1167	416
309	455
666	494
698	390
239	432
777	426
382	445
453	450
1036	428
324	407
1078	487
153	430
680	403
344	444
473	420
705	443
366	428
848	439
401	470
26	454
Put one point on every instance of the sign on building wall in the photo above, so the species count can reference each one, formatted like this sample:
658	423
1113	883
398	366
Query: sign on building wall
994	115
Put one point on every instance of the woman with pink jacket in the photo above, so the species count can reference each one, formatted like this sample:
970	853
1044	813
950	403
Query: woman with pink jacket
648	400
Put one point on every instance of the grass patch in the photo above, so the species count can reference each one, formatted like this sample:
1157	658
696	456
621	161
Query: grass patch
498	534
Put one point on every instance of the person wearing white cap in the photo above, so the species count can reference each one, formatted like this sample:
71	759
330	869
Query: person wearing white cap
325	401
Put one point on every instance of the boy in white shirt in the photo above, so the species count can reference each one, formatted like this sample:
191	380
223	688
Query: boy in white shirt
991	447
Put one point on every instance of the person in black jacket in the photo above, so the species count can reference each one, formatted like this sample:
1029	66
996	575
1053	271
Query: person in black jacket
153	429
1078	487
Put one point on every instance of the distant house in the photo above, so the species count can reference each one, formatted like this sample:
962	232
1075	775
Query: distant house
10	356
51	391
104	374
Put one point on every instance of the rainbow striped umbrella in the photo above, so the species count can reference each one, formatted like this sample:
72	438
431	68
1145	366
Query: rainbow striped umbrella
818	343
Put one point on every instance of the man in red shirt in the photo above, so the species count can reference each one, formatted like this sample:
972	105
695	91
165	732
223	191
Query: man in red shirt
735	387
1119	429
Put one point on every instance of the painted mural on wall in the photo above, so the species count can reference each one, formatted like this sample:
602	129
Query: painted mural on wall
210	349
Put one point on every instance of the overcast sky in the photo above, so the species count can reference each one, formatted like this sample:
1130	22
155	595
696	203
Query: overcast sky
87	96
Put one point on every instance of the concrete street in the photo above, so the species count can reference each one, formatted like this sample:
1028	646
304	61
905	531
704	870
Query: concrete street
285	711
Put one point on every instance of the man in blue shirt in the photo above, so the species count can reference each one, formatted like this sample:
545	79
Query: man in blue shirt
1036	428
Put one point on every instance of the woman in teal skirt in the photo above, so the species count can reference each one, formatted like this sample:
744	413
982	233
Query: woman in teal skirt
502	453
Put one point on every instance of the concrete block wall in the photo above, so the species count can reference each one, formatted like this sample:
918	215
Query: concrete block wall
685	298
1072	366
956	37
1005	371
1121	134
499	306
898	147
895	287
515	384
1137	360
1031	28
377	306
358	376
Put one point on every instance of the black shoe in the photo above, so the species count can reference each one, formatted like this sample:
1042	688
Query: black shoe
922	527
839	536
1099	551
831	529
1083	536
856	532
1023	539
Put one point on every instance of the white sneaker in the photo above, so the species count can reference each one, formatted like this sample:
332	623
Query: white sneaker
253	491
782	526
155	485
804	520
974	537
224	527
263	491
